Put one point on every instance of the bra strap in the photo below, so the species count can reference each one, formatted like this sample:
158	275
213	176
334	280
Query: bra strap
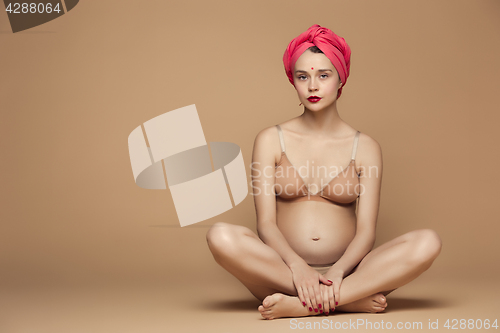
355	145
282	141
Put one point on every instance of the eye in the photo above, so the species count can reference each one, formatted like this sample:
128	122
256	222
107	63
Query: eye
301	77
324	76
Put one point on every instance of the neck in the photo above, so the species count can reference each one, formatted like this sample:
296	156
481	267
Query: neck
323	121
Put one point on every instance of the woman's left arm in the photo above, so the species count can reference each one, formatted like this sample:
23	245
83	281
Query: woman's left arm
370	166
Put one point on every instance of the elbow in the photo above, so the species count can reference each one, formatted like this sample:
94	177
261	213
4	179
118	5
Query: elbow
370	238
263	230
367	238
261	233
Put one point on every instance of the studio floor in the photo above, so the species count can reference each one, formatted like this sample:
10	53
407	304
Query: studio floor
215	302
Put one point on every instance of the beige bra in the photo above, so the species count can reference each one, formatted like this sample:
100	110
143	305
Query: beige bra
343	188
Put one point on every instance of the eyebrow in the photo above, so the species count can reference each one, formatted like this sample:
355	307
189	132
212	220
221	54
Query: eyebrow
319	70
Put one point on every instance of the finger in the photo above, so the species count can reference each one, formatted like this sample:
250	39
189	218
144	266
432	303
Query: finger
307	299
319	297
301	296
324	280
331	298
312	296
336	289
326	306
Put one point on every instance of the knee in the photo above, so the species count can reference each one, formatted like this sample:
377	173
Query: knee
221	238
427	246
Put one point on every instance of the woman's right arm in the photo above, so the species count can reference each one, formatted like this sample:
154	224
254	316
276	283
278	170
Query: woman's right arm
305	278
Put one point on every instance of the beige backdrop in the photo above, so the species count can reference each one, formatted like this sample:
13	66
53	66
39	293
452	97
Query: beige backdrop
82	248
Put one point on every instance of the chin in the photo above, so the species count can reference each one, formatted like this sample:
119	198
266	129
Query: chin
318	107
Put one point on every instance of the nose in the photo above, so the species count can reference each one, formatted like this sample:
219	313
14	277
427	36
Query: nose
312	85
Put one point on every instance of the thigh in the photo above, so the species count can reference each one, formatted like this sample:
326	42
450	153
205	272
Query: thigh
243	254
425	242
383	247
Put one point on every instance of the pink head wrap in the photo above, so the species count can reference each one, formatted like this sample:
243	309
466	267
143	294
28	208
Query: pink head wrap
333	46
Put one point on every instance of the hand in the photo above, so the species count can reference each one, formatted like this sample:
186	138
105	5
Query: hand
328	304
331	295
307	282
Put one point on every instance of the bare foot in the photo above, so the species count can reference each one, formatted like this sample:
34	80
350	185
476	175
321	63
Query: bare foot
280	305
373	303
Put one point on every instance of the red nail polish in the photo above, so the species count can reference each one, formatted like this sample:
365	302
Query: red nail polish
319	306
333	309
304	303
320	311
310	309
336	303
330	281
327	312
315	310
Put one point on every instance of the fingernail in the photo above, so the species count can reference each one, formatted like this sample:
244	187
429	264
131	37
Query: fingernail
319	306
330	281
327	312
333	309
320	311
336	303
310	309
315	310
304	303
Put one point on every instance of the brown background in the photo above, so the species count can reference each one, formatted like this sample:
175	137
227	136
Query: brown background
83	249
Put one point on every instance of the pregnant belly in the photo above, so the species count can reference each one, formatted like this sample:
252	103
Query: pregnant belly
318	232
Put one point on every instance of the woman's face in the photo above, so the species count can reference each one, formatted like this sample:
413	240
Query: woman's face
315	75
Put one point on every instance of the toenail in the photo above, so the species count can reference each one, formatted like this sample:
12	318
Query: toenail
319	306
326	312
320	311
315	310
336	303
310	309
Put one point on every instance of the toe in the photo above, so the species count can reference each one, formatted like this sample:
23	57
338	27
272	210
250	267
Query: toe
381	298
266	314
270	300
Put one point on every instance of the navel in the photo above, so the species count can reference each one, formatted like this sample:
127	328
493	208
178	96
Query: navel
315	238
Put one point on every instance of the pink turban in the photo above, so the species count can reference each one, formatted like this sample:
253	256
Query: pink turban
333	46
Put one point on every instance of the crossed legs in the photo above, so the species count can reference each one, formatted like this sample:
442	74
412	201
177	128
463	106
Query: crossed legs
387	267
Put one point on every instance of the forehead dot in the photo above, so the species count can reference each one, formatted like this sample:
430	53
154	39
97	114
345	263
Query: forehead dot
312	68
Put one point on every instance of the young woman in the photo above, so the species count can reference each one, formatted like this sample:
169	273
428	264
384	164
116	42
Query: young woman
316	182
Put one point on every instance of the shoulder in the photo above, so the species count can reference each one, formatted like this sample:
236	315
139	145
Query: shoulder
368	143
267	137
266	144
267	133
369	152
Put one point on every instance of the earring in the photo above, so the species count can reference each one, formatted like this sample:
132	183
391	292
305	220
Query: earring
300	104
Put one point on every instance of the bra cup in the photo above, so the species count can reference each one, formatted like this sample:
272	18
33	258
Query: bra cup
289	185
344	188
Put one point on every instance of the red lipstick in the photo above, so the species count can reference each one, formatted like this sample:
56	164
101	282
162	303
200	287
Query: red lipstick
313	99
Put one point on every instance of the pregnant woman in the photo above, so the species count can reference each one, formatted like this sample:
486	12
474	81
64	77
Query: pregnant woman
316	183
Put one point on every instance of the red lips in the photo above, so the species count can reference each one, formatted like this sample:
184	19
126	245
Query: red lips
314	99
